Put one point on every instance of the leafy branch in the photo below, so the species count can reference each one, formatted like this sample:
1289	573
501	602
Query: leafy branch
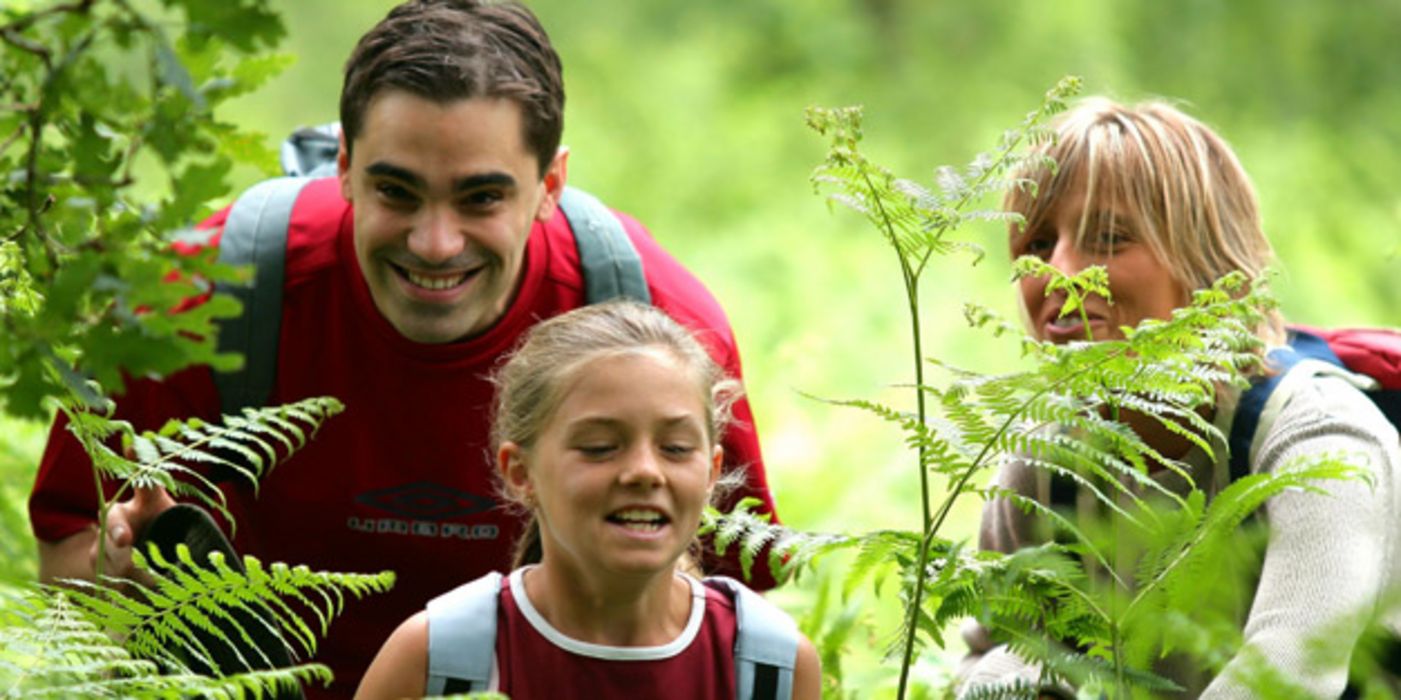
89	274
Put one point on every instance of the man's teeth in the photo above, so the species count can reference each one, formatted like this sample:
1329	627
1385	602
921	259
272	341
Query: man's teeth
1066	321
435	282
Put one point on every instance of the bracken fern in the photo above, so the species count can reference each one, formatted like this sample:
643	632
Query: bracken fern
55	648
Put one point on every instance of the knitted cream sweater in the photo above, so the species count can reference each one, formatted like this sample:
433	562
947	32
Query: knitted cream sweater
1329	556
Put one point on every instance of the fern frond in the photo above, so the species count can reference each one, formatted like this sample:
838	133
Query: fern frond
789	550
165	621
53	649
249	445
876	551
1016	689
1168	569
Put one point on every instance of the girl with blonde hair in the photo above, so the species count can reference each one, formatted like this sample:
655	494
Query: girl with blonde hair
607	429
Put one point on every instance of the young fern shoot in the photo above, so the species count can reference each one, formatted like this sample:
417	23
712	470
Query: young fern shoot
916	221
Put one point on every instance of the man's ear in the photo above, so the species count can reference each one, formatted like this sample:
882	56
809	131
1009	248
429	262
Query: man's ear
553	182
343	168
510	459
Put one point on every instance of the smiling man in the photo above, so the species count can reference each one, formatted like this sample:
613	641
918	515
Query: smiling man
408	277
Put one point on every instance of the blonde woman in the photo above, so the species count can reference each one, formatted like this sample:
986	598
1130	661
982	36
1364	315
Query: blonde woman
1163	203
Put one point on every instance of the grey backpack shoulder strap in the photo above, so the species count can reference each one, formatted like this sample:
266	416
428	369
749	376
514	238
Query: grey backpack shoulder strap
611	266
255	233
311	151
462	637
766	644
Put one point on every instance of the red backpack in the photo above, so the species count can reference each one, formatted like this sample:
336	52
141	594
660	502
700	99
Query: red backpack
1374	352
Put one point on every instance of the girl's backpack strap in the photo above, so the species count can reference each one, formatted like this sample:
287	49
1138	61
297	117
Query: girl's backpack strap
609	262
255	233
766	644
1305	357
462	637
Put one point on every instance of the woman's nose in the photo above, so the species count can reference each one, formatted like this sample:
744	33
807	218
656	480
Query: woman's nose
1066	256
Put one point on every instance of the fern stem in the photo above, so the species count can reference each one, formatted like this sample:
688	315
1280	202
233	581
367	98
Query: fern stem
1116	620
911	280
102	502
1120	682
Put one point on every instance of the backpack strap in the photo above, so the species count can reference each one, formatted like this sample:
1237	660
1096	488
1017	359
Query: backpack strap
255	233
610	264
1306	356
462	637
766	644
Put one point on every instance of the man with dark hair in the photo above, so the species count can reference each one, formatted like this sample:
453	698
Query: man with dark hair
407	278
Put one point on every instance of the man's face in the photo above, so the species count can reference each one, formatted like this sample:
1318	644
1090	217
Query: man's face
445	195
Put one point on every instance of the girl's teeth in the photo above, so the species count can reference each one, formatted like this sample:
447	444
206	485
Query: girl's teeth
639	520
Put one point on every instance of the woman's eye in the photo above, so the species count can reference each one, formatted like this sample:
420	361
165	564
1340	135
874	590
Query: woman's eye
1110	240
1039	246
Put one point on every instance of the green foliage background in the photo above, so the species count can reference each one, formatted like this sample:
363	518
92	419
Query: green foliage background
689	116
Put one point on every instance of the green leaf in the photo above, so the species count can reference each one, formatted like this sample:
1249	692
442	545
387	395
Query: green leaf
173	72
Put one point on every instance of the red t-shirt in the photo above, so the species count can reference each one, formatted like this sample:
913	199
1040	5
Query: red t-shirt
534	660
402	479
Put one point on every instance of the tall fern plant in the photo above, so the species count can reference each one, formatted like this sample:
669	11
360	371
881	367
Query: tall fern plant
916	223
1064	416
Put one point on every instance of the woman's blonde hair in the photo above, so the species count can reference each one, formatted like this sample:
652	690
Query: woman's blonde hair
533	382
1180	183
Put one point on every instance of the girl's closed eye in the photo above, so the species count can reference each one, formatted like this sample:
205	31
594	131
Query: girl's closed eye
596	450
679	449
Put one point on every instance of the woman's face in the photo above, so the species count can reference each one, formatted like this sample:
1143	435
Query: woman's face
1142	287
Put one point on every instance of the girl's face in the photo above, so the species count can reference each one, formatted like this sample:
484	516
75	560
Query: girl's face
621	473
1141	285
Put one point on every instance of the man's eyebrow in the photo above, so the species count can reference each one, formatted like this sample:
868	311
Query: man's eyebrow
472	182
383	169
462	184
